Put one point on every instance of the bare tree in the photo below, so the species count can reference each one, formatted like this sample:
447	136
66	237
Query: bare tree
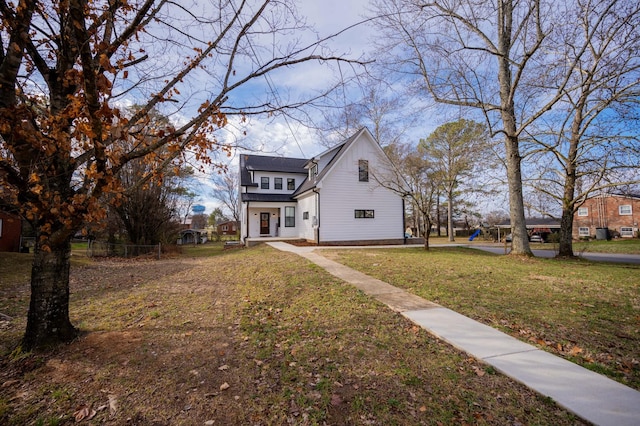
226	187
476	55
66	66
513	61
592	134
411	175
380	107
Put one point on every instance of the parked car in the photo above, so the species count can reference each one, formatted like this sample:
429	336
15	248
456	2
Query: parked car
536	239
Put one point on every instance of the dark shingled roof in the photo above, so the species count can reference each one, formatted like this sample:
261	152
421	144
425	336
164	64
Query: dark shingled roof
534	222
257	196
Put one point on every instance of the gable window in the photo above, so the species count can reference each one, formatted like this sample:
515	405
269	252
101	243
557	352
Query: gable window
305	216
624	210
264	183
313	171
583	211
363	170
289	217
583	231
291	184
364	214
626	231
277	183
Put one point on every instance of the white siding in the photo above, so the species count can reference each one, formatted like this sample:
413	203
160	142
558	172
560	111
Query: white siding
307	204
342	193
258	175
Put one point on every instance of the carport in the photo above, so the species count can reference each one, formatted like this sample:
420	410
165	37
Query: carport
542	226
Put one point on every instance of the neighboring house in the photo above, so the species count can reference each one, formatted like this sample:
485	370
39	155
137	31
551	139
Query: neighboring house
542	226
602	215
332	198
227	228
10	232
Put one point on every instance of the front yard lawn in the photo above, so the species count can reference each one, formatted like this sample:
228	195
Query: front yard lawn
252	336
585	311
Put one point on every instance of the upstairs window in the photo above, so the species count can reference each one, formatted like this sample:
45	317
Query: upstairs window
277	183
313	171
363	170
625	210
264	183
583	211
291	184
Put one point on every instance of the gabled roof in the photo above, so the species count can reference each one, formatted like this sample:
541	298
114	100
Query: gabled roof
263	163
334	153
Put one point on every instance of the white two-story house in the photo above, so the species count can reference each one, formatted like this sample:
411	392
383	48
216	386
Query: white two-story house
332	198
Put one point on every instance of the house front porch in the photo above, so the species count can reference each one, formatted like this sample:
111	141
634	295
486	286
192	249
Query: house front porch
252	241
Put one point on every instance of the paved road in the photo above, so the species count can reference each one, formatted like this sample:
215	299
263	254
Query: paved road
600	257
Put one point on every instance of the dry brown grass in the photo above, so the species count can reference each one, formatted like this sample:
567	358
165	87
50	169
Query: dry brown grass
250	336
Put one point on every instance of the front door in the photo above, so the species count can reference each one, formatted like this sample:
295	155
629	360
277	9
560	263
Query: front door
264	223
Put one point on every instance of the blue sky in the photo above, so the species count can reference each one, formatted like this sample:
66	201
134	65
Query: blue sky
278	136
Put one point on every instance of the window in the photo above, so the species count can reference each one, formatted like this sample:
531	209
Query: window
313	171
264	183
277	183
224	228
363	170
583	211
0	227
291	184
364	214
626	231
583	231
289	217
305	215
625	210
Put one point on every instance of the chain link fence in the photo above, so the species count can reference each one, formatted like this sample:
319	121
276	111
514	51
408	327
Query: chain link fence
105	249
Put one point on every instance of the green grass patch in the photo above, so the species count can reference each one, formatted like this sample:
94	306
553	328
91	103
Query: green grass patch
619	246
585	311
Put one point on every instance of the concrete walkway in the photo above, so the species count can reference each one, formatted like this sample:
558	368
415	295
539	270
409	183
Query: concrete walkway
589	395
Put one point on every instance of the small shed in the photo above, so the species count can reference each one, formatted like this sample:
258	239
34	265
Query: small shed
192	236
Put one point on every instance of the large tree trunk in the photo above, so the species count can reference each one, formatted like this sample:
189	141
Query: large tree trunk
568	198
48	319
427	230
520	238
565	247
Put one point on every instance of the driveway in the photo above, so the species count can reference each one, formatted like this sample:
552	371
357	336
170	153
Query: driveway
598	257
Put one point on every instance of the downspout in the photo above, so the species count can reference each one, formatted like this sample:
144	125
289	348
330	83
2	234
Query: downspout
317	231
404	222
247	234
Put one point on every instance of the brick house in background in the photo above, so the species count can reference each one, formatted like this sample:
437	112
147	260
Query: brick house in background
228	228
619	214
10	231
